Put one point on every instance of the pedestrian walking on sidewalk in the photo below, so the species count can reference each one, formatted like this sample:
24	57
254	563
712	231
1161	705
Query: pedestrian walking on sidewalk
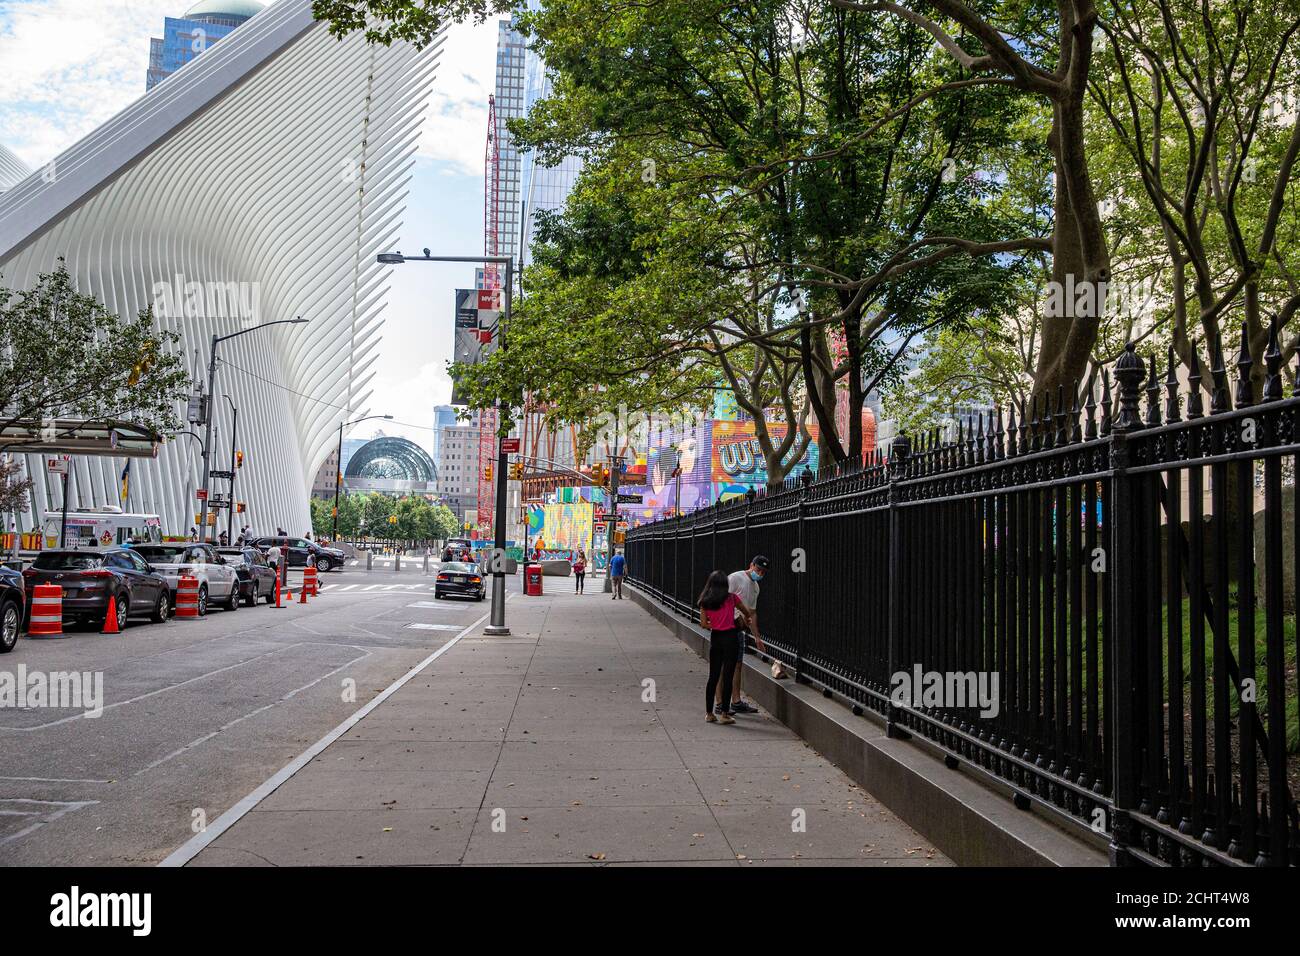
617	568
744	584
719	609
273	557
580	572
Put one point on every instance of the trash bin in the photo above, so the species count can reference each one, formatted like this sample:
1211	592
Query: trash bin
533	580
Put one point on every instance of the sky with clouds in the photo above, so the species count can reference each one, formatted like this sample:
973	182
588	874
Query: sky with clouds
66	66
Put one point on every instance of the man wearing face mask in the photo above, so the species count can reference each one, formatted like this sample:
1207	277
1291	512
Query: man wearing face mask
744	584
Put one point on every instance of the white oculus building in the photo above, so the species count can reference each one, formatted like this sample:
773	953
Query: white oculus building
257	183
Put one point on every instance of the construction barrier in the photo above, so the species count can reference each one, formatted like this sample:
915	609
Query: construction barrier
310	583
110	618
302	592
47	611
187	597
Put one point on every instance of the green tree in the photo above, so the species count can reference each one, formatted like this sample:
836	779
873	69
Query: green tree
66	356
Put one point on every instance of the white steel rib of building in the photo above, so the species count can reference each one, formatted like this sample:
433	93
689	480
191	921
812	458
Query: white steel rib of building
280	160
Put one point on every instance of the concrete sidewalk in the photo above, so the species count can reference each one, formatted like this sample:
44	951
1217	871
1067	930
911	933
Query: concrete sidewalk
579	740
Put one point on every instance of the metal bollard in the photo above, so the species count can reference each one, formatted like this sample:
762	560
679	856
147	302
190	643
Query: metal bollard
370	560
397	560
426	562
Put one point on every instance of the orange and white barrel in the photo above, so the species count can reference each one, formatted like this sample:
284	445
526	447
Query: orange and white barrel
187	596
309	581
47	611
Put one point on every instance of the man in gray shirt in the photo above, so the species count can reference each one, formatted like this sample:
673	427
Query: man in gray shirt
744	584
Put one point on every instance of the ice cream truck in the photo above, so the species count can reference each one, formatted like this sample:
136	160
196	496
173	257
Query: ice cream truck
101	528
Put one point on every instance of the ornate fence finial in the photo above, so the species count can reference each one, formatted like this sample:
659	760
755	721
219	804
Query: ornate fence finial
999	439
1107	403
1219	376
899	452
1153	395
1245	391
1194	407
1130	371
1172	413
1273	358
1090	409
1076	430
1061	435
1035	426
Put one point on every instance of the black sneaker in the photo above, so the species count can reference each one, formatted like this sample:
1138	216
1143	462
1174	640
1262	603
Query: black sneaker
741	707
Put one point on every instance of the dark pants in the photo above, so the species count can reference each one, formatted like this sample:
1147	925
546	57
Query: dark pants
724	651
579	580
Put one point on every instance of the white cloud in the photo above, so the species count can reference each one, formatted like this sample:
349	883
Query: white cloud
68	65
456	128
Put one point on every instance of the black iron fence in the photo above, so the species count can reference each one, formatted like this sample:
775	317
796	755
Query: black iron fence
1127	576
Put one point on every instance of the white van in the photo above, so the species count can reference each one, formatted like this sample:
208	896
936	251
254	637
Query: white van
102	528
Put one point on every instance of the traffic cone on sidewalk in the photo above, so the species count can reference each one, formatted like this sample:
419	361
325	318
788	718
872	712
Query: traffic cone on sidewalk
110	619
302	593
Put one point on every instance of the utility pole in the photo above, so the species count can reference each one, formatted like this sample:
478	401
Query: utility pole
616	464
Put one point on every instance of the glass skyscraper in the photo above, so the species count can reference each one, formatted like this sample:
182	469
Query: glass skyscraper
187	36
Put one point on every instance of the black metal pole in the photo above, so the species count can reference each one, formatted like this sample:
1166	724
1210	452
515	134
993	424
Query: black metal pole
338	480
63	524
230	505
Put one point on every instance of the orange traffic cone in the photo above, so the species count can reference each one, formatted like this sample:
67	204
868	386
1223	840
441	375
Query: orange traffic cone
110	619
302	593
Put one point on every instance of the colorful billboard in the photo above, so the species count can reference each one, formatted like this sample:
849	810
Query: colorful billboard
738	457
561	527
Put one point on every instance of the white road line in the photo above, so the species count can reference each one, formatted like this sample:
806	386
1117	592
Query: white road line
55	779
349	587
191	848
252	713
373	587
153	693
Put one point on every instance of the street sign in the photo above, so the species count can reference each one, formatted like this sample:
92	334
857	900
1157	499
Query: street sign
201	494
630	499
223	475
57	466
601	527
510	446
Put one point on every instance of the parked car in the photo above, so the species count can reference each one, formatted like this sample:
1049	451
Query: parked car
90	577
13	603
218	582
301	553
256	576
459	577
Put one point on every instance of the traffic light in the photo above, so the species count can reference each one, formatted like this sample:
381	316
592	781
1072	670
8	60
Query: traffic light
487	473
239	459
517	470
239	508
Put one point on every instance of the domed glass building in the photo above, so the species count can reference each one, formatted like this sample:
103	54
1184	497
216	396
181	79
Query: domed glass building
191	34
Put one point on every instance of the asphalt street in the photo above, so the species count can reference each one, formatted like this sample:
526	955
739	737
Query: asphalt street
198	713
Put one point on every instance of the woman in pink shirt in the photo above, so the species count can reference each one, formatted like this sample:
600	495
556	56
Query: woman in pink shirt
718	611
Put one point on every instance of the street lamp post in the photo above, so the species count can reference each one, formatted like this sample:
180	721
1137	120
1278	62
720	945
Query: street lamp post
230	505
497	627
212	379
338	470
